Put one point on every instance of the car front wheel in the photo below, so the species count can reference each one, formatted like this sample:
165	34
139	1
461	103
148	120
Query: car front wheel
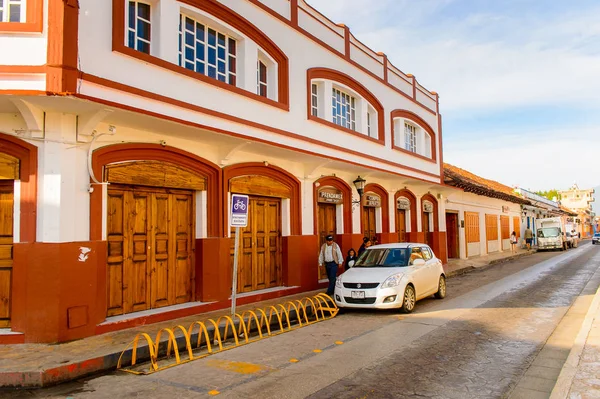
441	293
408	302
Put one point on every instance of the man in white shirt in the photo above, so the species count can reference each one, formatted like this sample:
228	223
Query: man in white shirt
331	256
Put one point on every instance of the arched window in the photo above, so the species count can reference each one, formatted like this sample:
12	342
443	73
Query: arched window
214	45
339	101
411	134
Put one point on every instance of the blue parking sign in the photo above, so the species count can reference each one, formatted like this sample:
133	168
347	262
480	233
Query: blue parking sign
239	210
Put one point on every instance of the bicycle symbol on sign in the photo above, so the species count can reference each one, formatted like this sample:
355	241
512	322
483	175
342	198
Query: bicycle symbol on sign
239	204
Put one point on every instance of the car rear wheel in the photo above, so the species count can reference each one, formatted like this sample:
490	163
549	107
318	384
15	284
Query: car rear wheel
408	302
441	293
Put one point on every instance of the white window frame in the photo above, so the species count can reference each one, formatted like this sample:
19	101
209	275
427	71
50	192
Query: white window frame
314	99
345	102
229	75
260	83
410	137
128	29
5	6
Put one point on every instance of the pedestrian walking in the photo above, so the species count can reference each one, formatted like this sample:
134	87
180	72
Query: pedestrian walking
331	256
513	242
528	238
366	244
350	259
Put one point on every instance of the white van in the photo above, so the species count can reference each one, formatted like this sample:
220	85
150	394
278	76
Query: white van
551	234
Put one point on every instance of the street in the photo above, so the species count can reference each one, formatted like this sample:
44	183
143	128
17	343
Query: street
479	342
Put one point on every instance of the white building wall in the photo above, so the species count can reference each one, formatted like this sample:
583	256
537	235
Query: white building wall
97	58
468	202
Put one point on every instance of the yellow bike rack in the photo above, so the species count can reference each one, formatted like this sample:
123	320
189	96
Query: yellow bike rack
252	326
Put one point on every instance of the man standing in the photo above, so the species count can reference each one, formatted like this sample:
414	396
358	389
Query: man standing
331	256
528	237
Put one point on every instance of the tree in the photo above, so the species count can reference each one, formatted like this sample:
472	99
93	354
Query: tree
550	194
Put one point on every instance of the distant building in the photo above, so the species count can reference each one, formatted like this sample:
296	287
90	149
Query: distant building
581	202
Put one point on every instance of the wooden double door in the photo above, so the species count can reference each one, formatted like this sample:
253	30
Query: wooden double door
452	235
260	260
426	223
401	225
369	222
327	225
150	248
6	249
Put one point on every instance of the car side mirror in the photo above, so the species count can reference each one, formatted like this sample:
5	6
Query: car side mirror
418	262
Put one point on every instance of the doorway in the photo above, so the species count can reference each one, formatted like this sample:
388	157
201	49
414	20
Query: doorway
369	222
6	249
150	247
327	222
452	232
401	225
260	259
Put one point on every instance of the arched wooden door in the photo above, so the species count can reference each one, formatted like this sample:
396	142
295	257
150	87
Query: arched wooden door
371	202
150	234
260	264
9	172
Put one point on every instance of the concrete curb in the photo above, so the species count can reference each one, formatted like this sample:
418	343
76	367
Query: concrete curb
569	370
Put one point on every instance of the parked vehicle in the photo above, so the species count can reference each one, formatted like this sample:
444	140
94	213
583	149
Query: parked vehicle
551	234
391	276
596	239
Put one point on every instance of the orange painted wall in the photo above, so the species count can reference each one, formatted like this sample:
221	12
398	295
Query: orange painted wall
213	269
54	293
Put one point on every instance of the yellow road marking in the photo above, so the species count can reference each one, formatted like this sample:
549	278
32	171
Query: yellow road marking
339	342
294	360
236	367
317	351
213	392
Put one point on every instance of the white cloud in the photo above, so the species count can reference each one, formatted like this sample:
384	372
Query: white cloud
556	160
488	60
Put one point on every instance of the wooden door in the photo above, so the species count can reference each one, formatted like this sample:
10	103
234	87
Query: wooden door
401	225
369	223
260	259
326	225
150	246
426	231
6	249
452	231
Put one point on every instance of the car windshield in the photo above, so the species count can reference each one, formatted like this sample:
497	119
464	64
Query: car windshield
597	235
384	257
548	232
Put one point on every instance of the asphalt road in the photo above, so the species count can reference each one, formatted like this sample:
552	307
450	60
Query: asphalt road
476	343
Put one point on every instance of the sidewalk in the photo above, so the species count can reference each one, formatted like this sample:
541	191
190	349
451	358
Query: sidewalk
459	266
41	365
579	377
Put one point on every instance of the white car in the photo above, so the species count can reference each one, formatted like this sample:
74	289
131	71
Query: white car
391	276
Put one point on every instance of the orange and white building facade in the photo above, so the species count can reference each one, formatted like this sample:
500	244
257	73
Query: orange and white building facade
126	125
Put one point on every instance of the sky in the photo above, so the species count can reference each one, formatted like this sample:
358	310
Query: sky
519	80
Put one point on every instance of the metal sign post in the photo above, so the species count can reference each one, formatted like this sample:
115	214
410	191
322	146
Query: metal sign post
238	218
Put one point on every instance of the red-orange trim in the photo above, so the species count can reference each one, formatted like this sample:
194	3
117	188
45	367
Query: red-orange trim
413	207
155	152
347	42
333	50
245	122
385	208
277	173
401	113
385	67
332	181
293	12
34	20
441	147
27	155
436	218
63	27
228	16
336	76
23	69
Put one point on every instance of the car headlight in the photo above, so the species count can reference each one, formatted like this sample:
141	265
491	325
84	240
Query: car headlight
338	282
392	281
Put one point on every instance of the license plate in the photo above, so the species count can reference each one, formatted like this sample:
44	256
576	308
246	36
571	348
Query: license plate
358	295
